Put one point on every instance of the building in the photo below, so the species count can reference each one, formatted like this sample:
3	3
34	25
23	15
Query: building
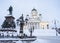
36	20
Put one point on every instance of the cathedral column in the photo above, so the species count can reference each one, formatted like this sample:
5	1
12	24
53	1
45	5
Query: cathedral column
37	25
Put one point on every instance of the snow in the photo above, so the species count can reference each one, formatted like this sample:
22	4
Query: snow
44	32
46	41
43	36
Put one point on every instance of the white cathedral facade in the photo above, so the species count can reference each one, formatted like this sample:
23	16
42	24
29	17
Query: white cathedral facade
36	21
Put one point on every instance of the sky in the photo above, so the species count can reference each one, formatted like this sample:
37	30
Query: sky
50	9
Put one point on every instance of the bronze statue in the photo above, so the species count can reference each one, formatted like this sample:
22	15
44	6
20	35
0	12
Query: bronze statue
10	10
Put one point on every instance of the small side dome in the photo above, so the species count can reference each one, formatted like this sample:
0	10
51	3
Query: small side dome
34	9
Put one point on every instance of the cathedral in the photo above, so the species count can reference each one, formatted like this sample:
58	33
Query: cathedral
36	21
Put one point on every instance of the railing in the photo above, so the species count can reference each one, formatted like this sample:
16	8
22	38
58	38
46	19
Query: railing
2	36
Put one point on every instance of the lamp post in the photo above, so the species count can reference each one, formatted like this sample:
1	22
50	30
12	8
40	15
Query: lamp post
21	22
55	27
31	31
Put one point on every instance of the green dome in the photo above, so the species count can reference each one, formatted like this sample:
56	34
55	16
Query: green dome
34	9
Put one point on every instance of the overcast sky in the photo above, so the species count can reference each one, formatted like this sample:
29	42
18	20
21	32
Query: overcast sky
50	9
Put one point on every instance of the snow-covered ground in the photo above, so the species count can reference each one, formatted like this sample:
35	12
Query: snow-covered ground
43	36
42	32
46	39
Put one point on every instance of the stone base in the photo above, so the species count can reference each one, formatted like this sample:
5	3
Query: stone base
7	41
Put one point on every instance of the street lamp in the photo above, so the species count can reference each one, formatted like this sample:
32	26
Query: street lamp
21	21
55	27
31	30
